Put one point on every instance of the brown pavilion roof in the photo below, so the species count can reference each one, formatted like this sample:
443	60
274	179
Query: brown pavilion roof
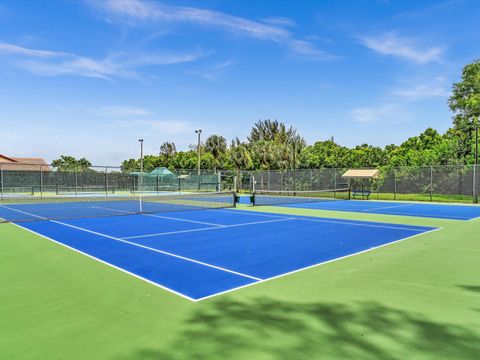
361	174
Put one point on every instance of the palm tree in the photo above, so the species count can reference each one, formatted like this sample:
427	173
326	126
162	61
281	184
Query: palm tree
240	155
217	146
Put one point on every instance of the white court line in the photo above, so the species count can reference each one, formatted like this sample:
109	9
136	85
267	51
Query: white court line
233	289
346	222
429	215
143	246
360	224
108	264
386	207
205	229
159	216
313	266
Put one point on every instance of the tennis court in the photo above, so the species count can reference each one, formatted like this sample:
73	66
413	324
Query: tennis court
317	200
194	245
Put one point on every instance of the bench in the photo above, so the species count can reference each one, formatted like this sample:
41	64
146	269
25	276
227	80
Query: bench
363	193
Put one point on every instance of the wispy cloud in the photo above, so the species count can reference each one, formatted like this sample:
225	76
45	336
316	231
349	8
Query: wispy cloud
54	63
213	72
162	126
121	111
6	48
279	21
421	91
403	47
386	113
272	29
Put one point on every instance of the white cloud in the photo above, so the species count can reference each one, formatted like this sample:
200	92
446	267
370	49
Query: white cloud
279	21
421	91
121	111
52	63
6	48
386	113
162	126
403	47
133	11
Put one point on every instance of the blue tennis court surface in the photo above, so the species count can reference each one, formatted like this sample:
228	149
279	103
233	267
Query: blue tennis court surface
198	254
439	211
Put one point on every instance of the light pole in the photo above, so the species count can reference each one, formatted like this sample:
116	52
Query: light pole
199	131
141	155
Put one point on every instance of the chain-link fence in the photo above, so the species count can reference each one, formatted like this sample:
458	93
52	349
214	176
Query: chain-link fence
450	183
22	179
433	183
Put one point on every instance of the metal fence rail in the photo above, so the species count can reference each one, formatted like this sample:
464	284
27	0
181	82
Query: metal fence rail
47	180
431	183
452	183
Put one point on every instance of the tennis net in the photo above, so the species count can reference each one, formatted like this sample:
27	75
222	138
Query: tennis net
280	197
31	208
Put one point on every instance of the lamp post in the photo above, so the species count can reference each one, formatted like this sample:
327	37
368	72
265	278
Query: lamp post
199	131
141	155
140	183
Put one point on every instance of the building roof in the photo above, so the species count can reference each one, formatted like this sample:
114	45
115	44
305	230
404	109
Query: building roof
361	174
23	164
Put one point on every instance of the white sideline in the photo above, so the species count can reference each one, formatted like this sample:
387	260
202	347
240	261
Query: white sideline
159	216
314	265
205	229
142	246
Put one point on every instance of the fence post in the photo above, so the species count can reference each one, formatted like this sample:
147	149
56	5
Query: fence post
106	181
474	192
1	180
394	185
431	183
335	183
76	182
219	185
41	181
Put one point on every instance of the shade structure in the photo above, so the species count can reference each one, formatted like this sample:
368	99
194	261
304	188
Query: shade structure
361	174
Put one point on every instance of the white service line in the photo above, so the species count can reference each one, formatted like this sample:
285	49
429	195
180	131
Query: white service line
205	229
385	207
142	246
159	216
360	224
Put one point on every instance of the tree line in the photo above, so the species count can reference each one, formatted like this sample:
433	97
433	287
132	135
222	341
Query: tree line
272	145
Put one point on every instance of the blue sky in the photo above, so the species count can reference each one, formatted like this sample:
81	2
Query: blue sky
90	77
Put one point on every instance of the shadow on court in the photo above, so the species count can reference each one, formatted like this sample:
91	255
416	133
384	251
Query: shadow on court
268	329
470	288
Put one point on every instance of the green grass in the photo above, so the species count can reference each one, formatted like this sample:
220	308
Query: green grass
415	299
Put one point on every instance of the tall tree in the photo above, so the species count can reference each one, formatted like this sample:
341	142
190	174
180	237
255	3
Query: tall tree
217	146
168	149
70	163
240	155
465	105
